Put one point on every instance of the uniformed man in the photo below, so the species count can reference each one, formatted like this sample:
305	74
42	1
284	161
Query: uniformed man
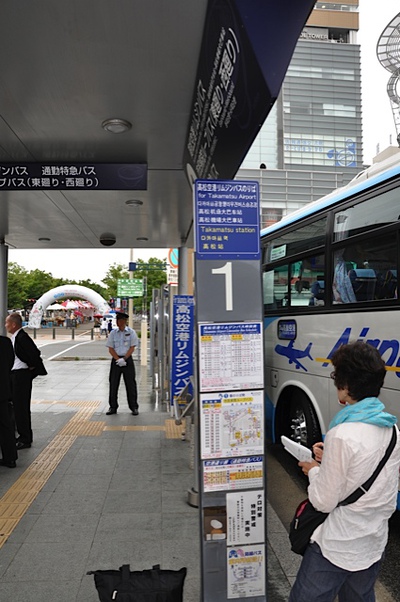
121	344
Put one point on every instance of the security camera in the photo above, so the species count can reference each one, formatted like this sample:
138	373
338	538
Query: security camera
107	239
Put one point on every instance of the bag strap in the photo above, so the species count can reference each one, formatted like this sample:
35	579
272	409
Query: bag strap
353	497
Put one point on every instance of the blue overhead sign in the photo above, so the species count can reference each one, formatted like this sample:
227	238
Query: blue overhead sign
227	219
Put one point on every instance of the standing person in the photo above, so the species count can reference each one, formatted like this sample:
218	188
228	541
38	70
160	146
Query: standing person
7	436
104	325
109	326
27	365
121	344
346	551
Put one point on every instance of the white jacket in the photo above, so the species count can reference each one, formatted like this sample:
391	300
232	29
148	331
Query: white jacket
354	537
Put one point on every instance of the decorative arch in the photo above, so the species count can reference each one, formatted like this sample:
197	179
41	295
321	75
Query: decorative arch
65	292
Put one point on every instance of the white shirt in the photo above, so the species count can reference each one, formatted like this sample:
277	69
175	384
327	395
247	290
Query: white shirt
122	340
353	537
18	364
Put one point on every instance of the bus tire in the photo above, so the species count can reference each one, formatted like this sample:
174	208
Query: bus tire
302	423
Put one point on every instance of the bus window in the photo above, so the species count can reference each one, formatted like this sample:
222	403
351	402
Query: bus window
308	282
301	239
276	288
366	271
379	211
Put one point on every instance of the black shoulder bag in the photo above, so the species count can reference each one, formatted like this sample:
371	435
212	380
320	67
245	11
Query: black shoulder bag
306	518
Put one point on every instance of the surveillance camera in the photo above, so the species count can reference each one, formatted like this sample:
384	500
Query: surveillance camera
107	239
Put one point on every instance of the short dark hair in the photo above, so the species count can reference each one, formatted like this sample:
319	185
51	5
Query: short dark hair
360	368
16	318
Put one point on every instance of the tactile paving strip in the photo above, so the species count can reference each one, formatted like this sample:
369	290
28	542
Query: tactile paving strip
174	431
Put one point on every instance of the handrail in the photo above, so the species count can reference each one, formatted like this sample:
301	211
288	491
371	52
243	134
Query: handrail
185	397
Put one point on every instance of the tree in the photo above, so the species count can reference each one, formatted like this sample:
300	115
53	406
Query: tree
93	286
38	283
115	271
17	293
155	272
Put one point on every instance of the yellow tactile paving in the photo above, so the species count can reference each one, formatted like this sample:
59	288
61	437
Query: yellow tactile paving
174	431
8	511
84	428
134	428
7	524
83	404
14	496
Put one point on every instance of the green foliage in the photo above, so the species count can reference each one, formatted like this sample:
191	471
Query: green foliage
155	277
115	271
17	291
24	285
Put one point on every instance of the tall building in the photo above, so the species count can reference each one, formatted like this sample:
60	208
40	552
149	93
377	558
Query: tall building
311	142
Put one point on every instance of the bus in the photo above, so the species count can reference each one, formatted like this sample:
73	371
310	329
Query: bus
330	277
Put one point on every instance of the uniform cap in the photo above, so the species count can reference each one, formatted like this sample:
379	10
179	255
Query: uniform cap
122	316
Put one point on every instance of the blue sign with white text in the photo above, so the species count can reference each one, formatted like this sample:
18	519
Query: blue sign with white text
227	219
182	346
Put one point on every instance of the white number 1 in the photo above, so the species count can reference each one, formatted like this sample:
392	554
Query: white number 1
227	271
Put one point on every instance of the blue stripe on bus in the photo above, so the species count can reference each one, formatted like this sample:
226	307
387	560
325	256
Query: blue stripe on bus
332	199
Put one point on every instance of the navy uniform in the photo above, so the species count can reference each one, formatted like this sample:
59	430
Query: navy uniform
121	344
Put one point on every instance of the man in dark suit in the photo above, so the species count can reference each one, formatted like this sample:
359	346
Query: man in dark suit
27	365
7	437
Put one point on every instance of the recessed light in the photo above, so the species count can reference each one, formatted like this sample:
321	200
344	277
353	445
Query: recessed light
143	238
116	126
44	239
133	203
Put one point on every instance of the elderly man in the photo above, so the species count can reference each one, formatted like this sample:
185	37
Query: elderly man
27	365
121	344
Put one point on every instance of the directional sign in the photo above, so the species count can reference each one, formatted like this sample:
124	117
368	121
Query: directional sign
227	218
130	287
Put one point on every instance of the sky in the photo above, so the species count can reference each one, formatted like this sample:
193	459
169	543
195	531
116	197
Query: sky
378	132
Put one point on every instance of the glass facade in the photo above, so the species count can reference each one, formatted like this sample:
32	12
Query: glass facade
314	127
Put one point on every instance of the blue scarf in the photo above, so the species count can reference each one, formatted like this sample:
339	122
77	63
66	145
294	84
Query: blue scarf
369	410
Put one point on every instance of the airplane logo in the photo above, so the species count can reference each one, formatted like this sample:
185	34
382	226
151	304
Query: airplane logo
294	355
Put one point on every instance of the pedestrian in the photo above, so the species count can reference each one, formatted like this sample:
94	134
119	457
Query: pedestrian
109	326
346	550
121	344
27	365
103	328
7	434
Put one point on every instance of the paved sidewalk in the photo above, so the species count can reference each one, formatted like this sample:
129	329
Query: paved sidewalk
104	490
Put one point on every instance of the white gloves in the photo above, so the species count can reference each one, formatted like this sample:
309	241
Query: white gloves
121	362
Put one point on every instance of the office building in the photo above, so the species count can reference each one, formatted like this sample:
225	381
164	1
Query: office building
311	142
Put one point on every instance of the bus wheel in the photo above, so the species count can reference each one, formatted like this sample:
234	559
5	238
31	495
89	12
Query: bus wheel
303	423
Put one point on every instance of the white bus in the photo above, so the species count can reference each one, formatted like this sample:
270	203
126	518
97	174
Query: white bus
330	277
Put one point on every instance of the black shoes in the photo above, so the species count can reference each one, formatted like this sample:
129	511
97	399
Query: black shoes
10	464
22	445
135	412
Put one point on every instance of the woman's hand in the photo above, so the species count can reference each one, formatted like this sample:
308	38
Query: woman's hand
307	466
318	451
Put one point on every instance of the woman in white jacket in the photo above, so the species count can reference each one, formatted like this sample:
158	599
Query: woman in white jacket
345	552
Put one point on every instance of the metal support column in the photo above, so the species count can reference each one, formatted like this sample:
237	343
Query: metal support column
130	300
3	285
183	271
